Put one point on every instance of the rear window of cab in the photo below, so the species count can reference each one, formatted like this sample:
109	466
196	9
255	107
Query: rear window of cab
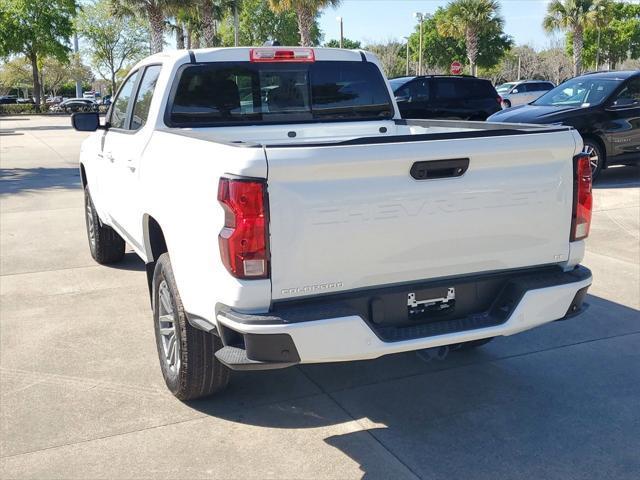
236	93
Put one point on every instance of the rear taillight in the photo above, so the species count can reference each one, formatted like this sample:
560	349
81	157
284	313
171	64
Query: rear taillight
582	198
499	100
243	239
281	55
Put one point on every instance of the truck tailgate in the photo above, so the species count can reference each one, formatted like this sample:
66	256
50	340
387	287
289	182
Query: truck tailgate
345	217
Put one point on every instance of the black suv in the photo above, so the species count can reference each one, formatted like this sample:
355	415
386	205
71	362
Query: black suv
603	106
448	97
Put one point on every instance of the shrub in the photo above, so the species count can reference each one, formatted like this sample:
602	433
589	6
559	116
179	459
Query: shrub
18	108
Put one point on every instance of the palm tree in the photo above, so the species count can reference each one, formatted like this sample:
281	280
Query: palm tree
153	11
572	16
306	11
467	20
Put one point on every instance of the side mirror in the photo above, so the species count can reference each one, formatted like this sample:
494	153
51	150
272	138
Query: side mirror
515	90
86	121
624	102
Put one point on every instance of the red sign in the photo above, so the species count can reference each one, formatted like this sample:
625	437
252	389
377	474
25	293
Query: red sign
456	68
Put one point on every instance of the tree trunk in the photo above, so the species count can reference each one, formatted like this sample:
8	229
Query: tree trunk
472	48
578	41
305	24
156	23
189	35
36	78
113	82
179	36
206	9
195	42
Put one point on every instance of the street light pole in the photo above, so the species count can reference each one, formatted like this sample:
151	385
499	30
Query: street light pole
77	59
419	17
236	26
598	51
339	19
407	70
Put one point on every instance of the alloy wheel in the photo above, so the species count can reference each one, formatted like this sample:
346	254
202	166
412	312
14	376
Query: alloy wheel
168	328
594	158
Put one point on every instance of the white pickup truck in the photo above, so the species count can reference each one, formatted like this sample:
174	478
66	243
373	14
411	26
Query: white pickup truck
286	213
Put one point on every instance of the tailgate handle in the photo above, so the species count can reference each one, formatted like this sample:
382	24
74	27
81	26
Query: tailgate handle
454	167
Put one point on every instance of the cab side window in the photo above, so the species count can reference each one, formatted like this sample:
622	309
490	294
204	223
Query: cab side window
145	94
120	107
630	95
416	91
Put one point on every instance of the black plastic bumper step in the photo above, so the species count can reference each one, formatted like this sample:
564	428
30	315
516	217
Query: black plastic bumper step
236	359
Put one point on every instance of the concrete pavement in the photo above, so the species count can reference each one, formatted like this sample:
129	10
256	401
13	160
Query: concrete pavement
81	394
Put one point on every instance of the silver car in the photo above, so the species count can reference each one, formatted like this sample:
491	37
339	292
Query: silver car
522	91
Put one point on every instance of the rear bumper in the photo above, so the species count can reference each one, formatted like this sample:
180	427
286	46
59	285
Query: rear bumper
332	333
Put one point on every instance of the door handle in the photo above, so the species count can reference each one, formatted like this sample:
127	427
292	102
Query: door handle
454	167
130	166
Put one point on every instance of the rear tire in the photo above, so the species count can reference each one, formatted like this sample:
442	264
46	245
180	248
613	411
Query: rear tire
506	103
189	366
472	344
105	244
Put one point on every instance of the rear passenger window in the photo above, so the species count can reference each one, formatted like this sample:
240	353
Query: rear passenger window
463	88
446	89
143	99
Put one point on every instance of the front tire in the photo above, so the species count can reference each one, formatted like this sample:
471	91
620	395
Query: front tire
105	244
189	366
506	103
596	156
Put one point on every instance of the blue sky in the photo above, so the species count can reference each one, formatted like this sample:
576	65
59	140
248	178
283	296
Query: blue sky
380	20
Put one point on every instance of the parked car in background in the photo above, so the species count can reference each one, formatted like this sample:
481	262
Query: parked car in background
75	105
447	97
522	91
603	106
8	99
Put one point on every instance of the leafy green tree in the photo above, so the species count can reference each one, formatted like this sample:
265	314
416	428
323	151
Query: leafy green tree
439	51
391	57
613	37
114	40
306	12
468	20
36	29
572	16
346	43
258	23
152	11
15	74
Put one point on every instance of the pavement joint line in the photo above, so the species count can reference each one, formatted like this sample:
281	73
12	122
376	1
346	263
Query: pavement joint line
50	270
363	427
168	424
31	134
625	228
591	252
493	360
630	207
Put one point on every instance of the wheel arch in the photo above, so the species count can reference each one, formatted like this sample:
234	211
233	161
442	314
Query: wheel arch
83	176
603	149
155	245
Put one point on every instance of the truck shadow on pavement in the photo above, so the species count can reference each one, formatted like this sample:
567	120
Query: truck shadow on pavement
618	177
541	404
18	180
